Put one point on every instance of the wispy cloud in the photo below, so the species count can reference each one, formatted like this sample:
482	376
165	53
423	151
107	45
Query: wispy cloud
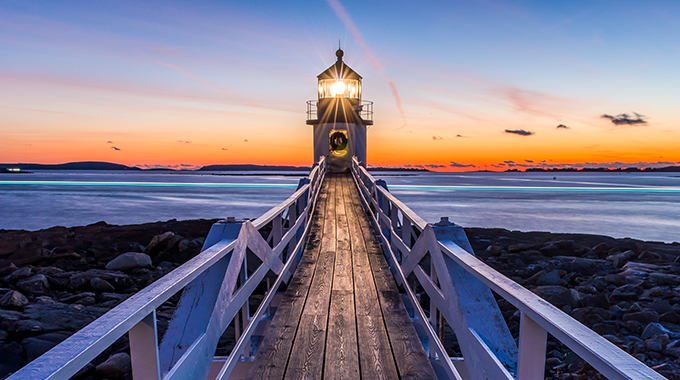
520	132
225	149
435	138
454	164
184	141
625	119
375	62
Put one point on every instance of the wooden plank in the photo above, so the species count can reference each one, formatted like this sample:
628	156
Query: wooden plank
272	356
375	353
342	355
411	359
342	351
343	276
306	357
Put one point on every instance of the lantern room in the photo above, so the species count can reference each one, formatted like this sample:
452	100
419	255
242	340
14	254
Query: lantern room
339	116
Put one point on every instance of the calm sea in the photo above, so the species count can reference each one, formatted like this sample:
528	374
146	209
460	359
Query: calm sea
639	205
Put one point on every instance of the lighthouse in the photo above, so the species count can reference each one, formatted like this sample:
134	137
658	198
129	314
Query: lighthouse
339	117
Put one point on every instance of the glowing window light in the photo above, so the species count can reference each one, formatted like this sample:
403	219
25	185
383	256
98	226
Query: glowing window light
338	88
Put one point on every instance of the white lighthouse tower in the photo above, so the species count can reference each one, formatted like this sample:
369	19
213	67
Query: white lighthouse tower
339	117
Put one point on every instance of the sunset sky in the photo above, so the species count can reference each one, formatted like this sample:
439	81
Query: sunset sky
479	84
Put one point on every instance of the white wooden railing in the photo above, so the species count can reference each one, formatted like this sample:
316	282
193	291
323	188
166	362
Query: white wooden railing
459	287
217	283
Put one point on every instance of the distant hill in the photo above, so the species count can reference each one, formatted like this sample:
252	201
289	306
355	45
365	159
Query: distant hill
84	165
397	169
252	168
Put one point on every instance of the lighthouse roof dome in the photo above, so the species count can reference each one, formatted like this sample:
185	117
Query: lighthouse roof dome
339	70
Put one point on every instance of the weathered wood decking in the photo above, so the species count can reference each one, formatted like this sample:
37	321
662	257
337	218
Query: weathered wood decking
342	316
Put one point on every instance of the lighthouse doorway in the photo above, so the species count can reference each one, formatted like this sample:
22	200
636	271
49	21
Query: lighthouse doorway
338	146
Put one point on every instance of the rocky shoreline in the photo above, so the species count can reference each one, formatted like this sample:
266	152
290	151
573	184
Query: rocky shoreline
55	281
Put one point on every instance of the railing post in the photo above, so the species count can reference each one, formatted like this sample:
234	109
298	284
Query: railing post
144	349
532	345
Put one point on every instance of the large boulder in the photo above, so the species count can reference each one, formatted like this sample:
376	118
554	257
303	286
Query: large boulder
36	285
13	300
558	295
129	261
160	243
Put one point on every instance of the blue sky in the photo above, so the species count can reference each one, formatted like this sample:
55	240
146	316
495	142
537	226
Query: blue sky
170	83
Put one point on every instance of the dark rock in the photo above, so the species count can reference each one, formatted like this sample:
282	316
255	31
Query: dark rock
606	327
673	349
670	317
159	243
36	285
619	259
514	248
12	357
626	292
597	300
545	278
116	367
558	295
19	274
552	362
50	318
616	311
634	326
649	255
493	250
87	301
105	297
653	329
129	261
7	267
653	345
13	300
82	279
661	306
614	339
656	293
101	285
76	297
45	300
38	345
644	317
602	249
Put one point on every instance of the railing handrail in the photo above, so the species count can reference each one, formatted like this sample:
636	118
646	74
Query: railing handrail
603	355
68	357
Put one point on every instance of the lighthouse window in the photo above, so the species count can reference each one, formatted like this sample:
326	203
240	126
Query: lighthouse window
338	143
339	88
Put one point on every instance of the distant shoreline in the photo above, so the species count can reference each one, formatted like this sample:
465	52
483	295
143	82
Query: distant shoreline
96	165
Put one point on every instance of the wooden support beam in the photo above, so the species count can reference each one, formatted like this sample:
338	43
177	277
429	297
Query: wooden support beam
144	349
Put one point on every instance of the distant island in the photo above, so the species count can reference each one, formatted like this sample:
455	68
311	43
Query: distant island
96	165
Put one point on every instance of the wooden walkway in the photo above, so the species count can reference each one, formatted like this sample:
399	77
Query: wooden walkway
342	316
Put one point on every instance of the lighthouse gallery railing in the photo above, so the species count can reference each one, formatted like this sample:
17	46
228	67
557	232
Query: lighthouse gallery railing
218	285
459	287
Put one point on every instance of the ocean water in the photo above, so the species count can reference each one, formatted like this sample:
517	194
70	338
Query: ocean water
639	205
